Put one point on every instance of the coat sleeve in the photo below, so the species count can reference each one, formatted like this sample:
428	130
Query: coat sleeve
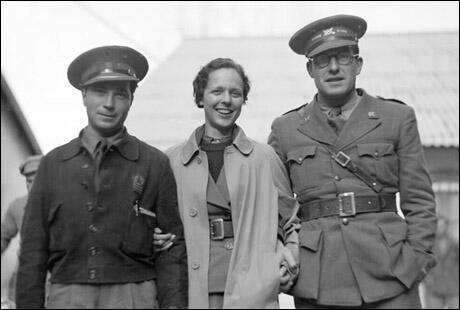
416	194
33	257
171	265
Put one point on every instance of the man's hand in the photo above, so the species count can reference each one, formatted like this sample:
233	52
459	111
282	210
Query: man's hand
162	242
289	267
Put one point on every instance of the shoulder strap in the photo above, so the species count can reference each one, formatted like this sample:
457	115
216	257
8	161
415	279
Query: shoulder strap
391	99
296	109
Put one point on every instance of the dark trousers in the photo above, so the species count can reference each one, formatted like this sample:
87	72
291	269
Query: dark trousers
410	299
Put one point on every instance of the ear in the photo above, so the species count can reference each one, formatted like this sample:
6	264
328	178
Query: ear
83	95
359	65
310	68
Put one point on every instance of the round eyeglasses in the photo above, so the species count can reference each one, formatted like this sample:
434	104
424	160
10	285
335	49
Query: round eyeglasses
342	58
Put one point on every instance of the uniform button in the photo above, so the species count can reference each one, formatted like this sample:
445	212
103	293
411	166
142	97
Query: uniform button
93	228
84	166
300	158
92	274
93	251
229	244
337	178
198	160
89	206
376	153
345	221
193	212
195	266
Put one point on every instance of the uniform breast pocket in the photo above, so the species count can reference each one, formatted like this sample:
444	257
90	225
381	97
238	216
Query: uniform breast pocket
301	165
381	161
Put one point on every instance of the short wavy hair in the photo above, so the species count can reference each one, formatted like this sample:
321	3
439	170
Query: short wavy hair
201	80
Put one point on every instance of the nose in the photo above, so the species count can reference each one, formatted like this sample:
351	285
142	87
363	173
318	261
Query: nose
226	97
109	103
333	64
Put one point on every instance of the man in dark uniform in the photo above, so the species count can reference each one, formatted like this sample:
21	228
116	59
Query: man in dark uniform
348	154
91	215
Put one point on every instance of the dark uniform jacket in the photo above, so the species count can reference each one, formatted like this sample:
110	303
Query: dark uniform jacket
88	237
371	256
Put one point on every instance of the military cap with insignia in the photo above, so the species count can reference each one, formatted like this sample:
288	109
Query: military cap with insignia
328	33
107	63
30	165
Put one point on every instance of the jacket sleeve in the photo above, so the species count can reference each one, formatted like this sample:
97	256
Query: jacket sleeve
171	265
289	223
30	286
287	204
416	193
9	227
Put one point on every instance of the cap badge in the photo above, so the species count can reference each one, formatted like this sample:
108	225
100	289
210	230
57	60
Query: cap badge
328	32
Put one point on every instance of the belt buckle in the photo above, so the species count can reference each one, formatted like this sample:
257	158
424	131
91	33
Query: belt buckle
219	235
342	158
347	205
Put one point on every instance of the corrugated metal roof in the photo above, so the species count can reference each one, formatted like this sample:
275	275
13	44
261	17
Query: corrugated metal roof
419	69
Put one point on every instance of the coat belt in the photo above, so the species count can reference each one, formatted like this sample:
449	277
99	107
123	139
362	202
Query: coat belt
219	229
361	204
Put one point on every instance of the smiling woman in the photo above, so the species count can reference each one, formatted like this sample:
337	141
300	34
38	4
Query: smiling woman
224	214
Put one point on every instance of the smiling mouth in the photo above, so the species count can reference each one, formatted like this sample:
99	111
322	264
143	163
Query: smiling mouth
224	111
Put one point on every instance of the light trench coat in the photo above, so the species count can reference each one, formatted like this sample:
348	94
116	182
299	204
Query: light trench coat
256	180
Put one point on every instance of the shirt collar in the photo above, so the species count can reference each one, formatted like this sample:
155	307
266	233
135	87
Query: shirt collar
347	108
90	139
241	142
127	145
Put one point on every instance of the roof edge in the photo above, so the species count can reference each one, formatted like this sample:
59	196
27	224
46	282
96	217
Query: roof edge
19	117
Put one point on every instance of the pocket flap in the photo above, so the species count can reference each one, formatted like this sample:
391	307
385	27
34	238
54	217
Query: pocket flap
298	155
394	233
375	149
310	239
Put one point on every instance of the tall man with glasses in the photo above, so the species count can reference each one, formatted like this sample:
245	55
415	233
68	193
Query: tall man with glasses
348	154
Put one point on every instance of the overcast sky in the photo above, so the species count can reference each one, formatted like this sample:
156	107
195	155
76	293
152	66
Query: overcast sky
40	39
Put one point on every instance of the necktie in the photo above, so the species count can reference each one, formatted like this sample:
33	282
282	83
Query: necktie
99	152
336	119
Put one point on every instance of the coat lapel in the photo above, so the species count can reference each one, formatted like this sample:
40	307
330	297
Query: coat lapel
363	120
315	124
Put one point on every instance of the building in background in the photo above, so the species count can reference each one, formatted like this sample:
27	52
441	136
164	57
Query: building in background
17	143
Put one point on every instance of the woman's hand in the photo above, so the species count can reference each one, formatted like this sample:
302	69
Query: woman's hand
162	242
